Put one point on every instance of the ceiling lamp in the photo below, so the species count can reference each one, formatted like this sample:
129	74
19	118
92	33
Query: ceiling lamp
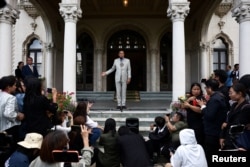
125	3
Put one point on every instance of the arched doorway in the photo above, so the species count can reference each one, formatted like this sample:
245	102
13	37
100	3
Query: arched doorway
166	62
135	49
84	63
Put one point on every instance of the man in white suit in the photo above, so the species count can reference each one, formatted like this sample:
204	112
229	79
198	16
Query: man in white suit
122	78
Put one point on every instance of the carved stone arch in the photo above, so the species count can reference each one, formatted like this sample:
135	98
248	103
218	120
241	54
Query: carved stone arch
229	43
88	30
28	41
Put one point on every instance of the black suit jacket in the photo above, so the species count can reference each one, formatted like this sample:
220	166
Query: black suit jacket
26	71
133	151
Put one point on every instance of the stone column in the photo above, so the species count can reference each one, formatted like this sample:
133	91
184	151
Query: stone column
8	16
70	11
98	70
49	73
204	59
241	11
178	11
153	54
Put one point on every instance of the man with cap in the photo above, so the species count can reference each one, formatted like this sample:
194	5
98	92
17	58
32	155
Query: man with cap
26	152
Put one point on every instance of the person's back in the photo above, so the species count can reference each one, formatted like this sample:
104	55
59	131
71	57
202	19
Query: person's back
111	156
133	149
189	153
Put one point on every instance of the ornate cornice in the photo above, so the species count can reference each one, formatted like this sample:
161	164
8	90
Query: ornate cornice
29	8
242	12
178	11
70	13
9	15
223	8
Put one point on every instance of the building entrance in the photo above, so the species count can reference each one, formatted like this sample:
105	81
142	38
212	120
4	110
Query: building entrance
138	70
134	47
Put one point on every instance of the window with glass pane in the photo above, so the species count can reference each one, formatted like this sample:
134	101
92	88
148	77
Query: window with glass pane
35	51
220	56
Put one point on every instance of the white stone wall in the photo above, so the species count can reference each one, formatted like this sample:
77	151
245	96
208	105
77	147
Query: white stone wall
22	30
231	29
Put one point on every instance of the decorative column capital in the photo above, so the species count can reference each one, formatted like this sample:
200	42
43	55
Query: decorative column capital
241	11
153	51
99	51
70	12
178	11
9	15
205	46
48	45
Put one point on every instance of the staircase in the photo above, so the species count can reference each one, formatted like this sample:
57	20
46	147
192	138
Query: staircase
145	118
142	105
131	95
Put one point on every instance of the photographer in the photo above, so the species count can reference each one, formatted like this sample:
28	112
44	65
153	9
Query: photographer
189	153
58	140
159	137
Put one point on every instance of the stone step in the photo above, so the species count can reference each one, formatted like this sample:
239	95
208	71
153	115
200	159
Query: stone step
127	113
110	95
145	118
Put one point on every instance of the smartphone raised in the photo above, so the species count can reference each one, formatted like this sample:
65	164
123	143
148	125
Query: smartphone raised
49	90
76	128
65	155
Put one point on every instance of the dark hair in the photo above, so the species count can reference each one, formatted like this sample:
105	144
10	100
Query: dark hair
55	140
81	110
213	84
239	88
110	125
160	121
59	118
19	88
193	85
235	65
245	80
180	115
222	74
79	120
123	130
7	81
19	63
33	90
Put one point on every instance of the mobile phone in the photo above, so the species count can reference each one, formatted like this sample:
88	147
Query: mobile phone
49	90
65	155
203	80
168	114
171	149
236	129
76	128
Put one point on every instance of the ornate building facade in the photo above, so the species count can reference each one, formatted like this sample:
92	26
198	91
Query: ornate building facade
170	43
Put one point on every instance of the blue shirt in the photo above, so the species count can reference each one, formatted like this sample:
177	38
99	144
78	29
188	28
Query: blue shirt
229	81
17	159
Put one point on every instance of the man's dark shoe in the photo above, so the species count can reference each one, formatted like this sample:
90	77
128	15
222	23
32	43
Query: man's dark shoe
124	107
119	107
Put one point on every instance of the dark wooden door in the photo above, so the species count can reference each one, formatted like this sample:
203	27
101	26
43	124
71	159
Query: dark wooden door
138	70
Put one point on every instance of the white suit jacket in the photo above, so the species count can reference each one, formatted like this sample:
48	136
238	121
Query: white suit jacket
8	110
123	69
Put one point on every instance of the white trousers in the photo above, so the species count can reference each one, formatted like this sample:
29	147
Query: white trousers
121	93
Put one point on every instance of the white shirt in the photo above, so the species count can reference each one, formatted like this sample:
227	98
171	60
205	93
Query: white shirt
8	111
90	123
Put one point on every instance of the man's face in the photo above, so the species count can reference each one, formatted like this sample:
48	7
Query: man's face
29	61
121	54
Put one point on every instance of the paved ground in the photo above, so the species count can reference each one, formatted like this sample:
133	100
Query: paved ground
133	105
